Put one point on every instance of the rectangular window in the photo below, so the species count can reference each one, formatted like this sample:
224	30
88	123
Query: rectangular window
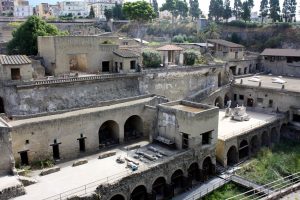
206	137
270	103
234	97
121	66
15	74
185	141
260	100
241	97
132	64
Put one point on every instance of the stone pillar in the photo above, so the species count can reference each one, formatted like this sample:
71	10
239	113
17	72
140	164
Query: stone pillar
166	58
187	182
121	134
180	59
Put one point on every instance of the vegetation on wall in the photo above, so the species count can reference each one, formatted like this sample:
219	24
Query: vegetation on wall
151	59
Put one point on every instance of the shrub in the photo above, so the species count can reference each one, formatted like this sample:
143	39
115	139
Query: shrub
242	24
191	57
107	42
179	38
151	59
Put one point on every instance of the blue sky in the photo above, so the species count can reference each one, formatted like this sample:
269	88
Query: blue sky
204	4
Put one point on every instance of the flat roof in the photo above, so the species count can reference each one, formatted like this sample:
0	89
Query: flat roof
187	108
94	173
267	81
281	52
225	43
229	128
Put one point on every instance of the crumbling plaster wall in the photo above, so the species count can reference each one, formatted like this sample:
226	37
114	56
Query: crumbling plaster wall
7	161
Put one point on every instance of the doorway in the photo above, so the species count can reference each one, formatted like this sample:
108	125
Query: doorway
105	66
15	74
56	155
24	157
81	145
250	102
132	64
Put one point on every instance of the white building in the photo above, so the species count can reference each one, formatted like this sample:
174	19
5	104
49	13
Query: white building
76	8
22	9
100	6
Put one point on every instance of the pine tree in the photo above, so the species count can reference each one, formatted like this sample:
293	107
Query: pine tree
286	10
246	11
274	10
227	10
216	9
237	8
92	13
293	9
155	7
264	9
195	11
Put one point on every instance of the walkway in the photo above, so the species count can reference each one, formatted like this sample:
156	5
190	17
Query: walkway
293	196
249	184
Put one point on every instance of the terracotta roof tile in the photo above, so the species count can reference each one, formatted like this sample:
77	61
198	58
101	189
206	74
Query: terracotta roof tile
14	60
125	53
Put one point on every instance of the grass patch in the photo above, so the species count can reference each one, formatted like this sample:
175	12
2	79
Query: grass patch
271	164
225	192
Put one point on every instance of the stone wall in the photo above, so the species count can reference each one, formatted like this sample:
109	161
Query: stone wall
7	160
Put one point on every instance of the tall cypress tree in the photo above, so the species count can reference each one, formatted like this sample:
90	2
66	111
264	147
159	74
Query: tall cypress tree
237	8
227	10
195	11
274	10
264	9
155	7
246	10
216	9
294	9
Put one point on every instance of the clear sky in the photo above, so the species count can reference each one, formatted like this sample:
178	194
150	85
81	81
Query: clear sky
204	4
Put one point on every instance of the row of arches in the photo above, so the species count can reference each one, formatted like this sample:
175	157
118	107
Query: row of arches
109	131
245	149
161	189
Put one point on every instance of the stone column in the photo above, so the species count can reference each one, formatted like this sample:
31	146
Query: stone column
180	59
166	59
121	134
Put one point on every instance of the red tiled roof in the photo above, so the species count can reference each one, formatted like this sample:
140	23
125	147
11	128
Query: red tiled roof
14	60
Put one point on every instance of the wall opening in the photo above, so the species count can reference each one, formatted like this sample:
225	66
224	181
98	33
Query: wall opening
265	139
15	74
105	66
139	193
219	79
108	134
194	172
177	181
55	150
232	156
78	62
133	64
159	188
24	158
274	135
219	102
226	99
81	141
233	69
296	118
185	141
244	149
206	137
207	168
118	197
254	144
250	102
2	110
245	70
133	128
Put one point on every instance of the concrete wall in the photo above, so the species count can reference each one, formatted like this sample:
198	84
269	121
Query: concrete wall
7	162
67	127
56	51
54	97
26	71
125	62
281	67
242	66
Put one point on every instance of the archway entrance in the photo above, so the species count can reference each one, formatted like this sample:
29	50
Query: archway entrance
219	102
244	149
232	156
226	99
108	134
2	110
207	169
139	193
159	188
177	181
284	131
254	144
274	135
133	128
118	197
194	172
265	139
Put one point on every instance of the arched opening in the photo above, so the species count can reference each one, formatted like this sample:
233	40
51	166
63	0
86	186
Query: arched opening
2	110
226	99
284	131
254	144
177	181
244	149
274	135
139	193
108	134
219	79
159	188
194	172
265	139
219	102
250	102
232	156
207	168
133	128
118	197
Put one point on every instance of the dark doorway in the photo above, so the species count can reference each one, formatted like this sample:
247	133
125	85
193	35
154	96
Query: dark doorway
24	157
2	110
105	66
159	187
265	139
56	155
108	134
81	141
296	118
245	70
250	102
219	102
254	144
233	69
274	135
139	193
15	74
226	99
239	71
207	169
177	181
219	79
244	149
194	172
133	64
117	197
232	156
185	141
133	128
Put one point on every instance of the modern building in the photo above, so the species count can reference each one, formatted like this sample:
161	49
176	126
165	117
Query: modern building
100	6
7	7
22	9
74	8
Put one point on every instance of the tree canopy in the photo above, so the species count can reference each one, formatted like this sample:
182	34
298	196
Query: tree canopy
274	10
176	8
246	10
289	10
92	13
215	9
264	9
155	7
117	12
237	9
227	13
108	14
139	11
195	11
24	39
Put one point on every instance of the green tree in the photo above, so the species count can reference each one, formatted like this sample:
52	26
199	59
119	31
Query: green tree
139	11
289	10
215	9
176	8
274	10
246	10
227	10
294	9
237	9
195	11
92	13
151	59
155	7
117	12
212	31
264	9
24	39
108	14
182	8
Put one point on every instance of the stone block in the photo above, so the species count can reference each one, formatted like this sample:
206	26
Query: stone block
26	180
49	171
107	154
79	162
